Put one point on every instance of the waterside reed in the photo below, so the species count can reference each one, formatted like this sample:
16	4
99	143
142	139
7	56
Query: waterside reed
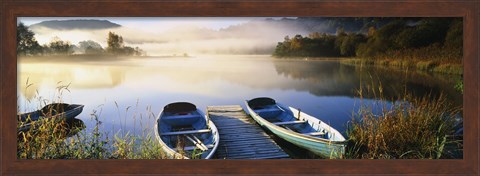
409	128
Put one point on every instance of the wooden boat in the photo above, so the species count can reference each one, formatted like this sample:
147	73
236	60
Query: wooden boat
59	111
185	132
297	127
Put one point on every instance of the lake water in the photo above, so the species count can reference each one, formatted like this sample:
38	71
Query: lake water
128	93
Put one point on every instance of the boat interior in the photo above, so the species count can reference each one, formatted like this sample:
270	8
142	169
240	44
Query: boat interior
184	128
269	110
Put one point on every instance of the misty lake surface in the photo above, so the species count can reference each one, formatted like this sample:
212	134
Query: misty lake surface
128	93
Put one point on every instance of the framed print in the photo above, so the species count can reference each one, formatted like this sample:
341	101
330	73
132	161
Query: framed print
256	87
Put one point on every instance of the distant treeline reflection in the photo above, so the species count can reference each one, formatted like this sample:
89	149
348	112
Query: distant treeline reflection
331	78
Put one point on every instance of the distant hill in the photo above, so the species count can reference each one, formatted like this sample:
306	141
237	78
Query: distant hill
87	24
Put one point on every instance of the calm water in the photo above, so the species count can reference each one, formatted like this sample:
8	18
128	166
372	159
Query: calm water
128	93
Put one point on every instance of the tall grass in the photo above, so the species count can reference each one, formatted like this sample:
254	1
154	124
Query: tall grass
59	139
56	139
411	128
431	58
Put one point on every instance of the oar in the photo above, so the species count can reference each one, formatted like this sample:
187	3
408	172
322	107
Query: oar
196	143
200	142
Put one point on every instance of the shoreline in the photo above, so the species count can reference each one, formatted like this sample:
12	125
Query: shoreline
427	66
310	58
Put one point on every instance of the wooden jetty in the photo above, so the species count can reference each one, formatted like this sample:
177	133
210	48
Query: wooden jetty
240	136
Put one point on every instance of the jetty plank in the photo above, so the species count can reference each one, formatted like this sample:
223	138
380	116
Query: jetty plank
241	137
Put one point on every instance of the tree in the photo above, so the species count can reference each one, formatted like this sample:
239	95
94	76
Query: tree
296	42
90	47
140	52
58	46
454	36
349	43
26	42
115	43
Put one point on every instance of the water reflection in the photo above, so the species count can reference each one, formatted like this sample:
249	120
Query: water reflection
330	78
122	89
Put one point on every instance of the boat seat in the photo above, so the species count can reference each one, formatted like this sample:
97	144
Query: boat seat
190	116
267	110
317	133
186	132
187	148
289	122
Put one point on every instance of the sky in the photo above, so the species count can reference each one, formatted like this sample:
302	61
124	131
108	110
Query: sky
173	35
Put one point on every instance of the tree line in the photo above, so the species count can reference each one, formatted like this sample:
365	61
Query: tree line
399	35
27	45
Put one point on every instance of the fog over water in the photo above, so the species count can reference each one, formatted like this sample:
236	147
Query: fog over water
144	85
169	36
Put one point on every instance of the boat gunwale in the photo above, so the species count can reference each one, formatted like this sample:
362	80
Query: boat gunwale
176	155
60	116
269	125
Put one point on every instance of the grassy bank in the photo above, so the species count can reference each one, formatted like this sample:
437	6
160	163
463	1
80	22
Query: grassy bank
60	139
56	139
431	59
429	66
412	128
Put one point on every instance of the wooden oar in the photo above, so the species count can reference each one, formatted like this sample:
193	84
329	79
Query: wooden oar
200	142
201	147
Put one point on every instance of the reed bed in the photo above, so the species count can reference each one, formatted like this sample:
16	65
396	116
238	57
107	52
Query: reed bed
432	59
410	128
56	139
59	139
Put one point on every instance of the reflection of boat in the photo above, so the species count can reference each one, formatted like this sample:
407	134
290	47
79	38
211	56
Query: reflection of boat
185	132
60	111
297	127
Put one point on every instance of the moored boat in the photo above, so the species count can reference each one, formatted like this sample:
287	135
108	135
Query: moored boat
57	111
297	127
184	132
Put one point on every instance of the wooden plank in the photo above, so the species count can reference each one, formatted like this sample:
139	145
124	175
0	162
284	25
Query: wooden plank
244	124
252	132
259	145
274	157
243	139
240	136
186	132
255	156
230	127
248	150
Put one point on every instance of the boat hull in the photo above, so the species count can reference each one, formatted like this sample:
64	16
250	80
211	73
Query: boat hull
319	146
172	152
36	118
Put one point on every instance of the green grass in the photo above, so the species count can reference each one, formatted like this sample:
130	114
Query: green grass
430	66
426	65
449	68
431	58
414	128
61	140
